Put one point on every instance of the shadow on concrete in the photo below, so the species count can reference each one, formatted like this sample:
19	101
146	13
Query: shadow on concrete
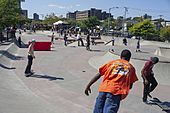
5	67
23	45
73	46
11	56
50	78
165	106
6	43
142	52
95	50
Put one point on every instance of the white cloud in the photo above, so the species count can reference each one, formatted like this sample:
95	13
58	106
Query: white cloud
57	6
63	7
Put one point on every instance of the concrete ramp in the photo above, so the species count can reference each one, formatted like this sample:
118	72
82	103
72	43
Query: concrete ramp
8	55
163	51
161	69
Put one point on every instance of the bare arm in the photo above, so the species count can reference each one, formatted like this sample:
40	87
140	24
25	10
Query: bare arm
93	80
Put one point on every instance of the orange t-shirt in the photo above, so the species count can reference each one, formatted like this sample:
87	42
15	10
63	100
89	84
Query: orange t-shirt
118	75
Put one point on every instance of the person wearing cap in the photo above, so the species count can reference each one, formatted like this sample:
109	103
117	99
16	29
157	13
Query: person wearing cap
118	78
149	80
30	58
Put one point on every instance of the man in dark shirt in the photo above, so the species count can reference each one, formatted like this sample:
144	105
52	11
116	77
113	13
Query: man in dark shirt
149	80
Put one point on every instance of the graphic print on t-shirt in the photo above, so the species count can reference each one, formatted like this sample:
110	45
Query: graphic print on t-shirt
120	69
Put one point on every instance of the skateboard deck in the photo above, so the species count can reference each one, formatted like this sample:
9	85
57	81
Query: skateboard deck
162	105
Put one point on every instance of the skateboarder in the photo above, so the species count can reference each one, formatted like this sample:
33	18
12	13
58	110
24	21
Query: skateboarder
149	80
30	58
118	78
138	46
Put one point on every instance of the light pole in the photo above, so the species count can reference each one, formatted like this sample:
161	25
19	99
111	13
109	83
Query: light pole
109	18
124	19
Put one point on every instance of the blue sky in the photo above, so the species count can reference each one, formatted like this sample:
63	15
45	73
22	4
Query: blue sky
155	8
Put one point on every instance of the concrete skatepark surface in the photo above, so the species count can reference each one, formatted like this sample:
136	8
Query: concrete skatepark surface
62	74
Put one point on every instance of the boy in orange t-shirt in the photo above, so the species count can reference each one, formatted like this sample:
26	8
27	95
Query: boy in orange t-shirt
118	78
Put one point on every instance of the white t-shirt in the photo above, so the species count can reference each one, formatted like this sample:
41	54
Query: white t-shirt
78	36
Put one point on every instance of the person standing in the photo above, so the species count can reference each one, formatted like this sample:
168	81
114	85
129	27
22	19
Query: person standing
52	38
149	80
19	38
65	38
79	39
13	31
113	40
8	32
30	58
125	41
88	42
118	78
1	36
138	46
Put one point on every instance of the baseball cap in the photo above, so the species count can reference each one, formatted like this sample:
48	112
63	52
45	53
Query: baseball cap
155	59
33	40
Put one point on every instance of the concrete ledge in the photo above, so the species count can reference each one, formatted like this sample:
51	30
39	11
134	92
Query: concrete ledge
163	51
42	46
7	55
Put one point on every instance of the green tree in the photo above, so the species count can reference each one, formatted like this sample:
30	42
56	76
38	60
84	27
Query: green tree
71	22
137	19
89	23
105	24
165	34
82	24
9	13
50	19
92	22
144	29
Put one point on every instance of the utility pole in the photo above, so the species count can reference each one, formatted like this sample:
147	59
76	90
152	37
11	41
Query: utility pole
109	18
124	20
108	27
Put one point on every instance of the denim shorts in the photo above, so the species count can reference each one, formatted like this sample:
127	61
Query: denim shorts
107	103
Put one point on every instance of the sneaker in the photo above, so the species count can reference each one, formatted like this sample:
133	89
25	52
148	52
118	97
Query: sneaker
27	74
145	101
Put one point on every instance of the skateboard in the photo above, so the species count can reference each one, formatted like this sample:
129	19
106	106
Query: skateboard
162	105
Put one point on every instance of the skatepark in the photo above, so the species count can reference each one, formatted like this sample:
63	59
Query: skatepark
62	74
